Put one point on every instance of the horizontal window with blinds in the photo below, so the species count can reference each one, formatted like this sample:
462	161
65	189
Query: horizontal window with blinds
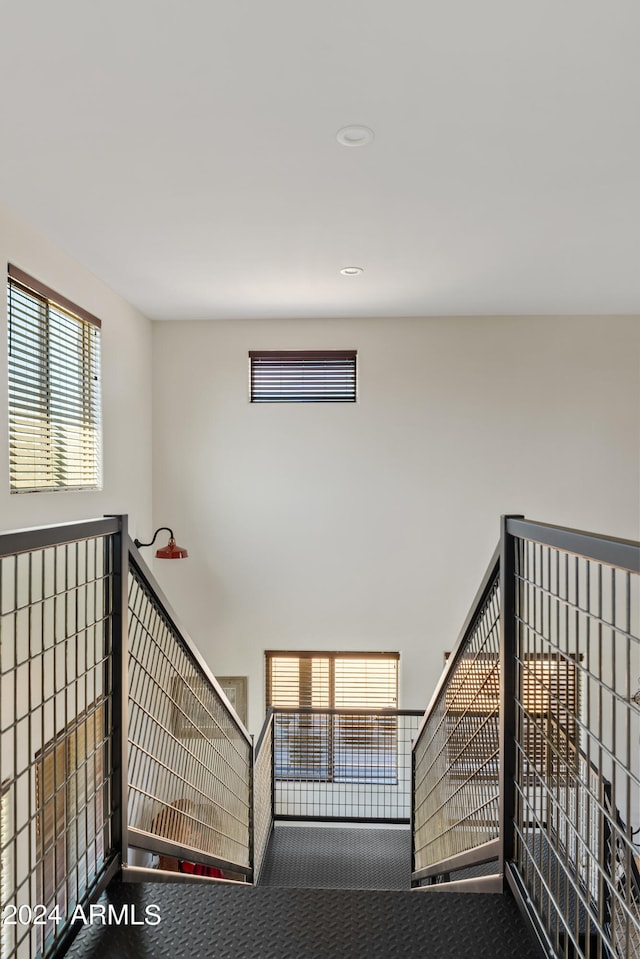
332	679
54	389
303	376
341	747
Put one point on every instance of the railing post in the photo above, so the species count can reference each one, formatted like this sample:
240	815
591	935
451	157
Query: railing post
273	765
508	636
413	812
252	810
120	690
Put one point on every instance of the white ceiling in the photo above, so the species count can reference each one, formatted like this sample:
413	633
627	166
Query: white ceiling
185	151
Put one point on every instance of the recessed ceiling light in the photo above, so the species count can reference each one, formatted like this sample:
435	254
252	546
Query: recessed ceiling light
354	136
351	271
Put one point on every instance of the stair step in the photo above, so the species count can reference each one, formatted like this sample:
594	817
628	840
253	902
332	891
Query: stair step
246	922
321	857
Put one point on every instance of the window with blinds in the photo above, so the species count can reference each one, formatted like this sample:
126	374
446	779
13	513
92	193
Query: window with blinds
303	376
347	746
54	389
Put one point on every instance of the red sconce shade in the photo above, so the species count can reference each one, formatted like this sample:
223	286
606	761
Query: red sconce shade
170	551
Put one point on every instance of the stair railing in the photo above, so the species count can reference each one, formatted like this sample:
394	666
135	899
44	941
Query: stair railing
342	765
540	778
115	738
575	657
190	766
456	786
263	786
62	740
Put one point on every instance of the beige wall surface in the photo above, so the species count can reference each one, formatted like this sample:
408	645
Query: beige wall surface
126	393
369	526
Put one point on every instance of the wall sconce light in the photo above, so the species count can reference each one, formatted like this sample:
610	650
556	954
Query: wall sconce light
170	551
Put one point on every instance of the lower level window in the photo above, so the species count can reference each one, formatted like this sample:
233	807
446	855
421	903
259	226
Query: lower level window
347	737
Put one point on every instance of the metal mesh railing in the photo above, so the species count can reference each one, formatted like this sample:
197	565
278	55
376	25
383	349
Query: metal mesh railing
189	757
456	755
262	795
577	729
343	764
622	907
56	730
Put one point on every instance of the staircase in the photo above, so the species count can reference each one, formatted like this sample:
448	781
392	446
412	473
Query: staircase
507	788
339	910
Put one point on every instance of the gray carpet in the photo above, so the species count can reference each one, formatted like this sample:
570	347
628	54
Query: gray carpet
215	921
327	858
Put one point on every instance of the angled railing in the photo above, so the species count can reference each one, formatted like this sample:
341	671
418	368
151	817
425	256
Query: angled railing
456	787
527	763
263	786
114	736
190	759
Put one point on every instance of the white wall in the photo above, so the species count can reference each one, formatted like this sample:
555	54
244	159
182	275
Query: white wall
369	526
126	392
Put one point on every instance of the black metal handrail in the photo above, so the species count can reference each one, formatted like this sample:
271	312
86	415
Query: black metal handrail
264	732
620	553
486	585
137	563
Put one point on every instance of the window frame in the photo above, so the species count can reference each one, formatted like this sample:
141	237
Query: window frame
316	743
55	417
303	376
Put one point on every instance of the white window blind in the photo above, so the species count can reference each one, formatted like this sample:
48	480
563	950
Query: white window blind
54	389
340	680
340	746
303	376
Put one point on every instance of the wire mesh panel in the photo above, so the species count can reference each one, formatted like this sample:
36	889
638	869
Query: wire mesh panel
189	757
456	785
56	728
262	795
343	764
578	761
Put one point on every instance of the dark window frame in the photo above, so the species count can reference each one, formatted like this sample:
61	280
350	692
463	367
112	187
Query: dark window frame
333	744
55	406
303	376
